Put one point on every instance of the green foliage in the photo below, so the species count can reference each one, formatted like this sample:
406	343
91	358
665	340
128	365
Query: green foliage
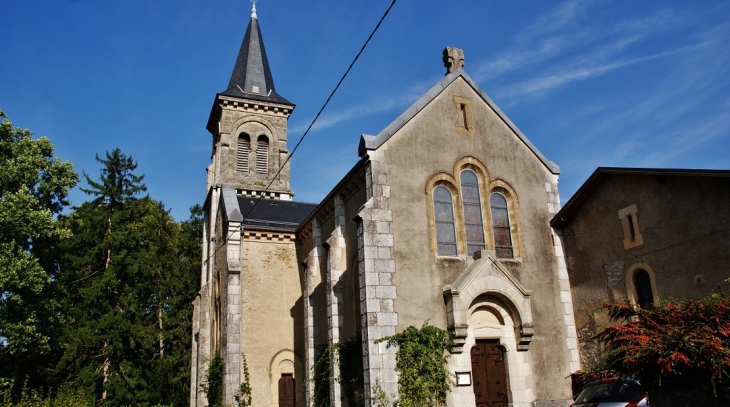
421	361
321	376
127	281
213	384
33	190
674	344
380	397
243	395
117	182
347	355
66	397
100	298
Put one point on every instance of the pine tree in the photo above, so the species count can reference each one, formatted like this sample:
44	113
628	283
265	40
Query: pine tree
107	335
129	281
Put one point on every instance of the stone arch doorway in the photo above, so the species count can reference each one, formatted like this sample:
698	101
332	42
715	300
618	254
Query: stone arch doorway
489	373
285	370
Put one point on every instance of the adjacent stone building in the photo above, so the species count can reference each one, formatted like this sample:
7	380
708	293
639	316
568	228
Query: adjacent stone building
636	235
444	219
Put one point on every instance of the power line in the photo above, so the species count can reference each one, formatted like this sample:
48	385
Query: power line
349	68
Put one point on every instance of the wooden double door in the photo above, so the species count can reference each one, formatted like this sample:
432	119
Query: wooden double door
489	377
287	396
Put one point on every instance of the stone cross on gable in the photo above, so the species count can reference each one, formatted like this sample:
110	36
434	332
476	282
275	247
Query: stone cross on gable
453	59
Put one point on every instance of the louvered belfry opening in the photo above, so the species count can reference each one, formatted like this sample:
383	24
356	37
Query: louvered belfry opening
262	155
244	146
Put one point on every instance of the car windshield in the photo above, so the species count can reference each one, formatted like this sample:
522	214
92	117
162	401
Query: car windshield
616	390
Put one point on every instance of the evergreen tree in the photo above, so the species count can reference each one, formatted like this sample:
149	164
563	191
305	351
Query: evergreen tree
128	286
179	286
117	183
33	190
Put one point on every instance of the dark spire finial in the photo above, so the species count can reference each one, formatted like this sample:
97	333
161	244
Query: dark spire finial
251	77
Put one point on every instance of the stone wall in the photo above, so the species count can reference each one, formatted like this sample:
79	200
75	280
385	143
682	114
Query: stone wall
377	291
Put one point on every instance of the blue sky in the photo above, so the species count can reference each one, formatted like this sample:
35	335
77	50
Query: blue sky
591	83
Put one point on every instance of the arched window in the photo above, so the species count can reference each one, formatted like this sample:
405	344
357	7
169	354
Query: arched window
473	222
644	292
262	155
242	149
444	215
501	226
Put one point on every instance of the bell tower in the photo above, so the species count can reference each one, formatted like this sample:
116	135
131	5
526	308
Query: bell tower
248	123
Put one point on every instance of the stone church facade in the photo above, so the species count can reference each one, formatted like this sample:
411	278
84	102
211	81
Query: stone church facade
444	219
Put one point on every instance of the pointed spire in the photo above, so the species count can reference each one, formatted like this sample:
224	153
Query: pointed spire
251	76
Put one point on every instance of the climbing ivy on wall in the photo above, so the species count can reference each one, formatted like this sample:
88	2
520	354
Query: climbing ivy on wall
421	358
213	385
347	354
243	395
320	376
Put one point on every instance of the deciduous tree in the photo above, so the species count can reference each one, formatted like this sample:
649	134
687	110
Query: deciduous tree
679	345
34	187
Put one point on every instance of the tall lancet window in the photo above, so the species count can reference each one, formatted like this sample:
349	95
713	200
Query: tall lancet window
262	155
473	222
501	226
445	227
242	149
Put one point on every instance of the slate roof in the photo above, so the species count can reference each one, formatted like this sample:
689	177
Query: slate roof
272	214
593	182
368	142
252	69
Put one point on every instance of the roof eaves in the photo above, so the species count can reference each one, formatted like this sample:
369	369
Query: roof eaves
585	191
549	164
353	171
374	142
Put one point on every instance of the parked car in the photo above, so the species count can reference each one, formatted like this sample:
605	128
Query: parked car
616	392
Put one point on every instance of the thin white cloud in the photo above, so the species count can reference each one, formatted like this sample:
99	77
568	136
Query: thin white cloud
375	105
574	74
566	33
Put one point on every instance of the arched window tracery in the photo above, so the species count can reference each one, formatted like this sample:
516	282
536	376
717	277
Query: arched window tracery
472	205
443	205
501	226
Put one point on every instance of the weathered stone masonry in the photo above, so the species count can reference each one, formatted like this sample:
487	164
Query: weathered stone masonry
377	291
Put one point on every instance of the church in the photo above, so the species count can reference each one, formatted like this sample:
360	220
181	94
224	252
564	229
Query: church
444	220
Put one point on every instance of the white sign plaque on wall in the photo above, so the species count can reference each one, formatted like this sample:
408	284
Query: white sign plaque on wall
463	378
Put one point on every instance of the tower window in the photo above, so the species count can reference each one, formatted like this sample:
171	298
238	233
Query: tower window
501	226
445	226
242	149
473	222
262	155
